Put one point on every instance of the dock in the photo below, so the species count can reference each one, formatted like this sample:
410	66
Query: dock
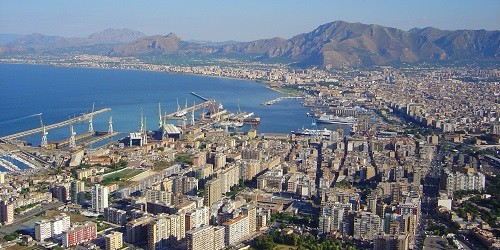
65	142
97	139
202	105
282	98
81	118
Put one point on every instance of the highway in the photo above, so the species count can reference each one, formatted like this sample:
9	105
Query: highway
37	210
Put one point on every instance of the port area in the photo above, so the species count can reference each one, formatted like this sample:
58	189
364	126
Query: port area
282	98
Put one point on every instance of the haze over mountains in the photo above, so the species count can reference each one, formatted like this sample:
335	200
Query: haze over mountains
332	45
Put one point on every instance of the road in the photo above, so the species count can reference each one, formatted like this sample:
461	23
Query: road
37	210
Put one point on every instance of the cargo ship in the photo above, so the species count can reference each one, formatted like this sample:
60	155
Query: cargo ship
333	119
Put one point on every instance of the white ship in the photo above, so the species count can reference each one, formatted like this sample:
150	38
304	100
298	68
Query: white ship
333	119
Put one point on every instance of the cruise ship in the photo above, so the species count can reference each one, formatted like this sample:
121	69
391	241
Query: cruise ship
333	119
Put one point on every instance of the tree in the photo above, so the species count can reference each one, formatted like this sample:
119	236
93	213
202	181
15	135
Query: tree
264	243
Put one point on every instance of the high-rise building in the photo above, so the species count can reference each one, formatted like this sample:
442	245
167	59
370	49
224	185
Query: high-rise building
391	242
115	216
197	217
6	212
250	210
114	241
43	230
333	217
163	231
219	238
236	229
213	191
61	192
77	191
367	226
163	197
136	230
99	198
464	181
261	220
59	224
200	238
79	234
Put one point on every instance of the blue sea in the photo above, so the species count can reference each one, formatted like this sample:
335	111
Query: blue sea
61	93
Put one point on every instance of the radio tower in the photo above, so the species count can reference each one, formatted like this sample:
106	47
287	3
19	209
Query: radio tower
72	140
91	127
110	127
44	133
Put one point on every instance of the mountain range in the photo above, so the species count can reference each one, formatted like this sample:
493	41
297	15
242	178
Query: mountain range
332	45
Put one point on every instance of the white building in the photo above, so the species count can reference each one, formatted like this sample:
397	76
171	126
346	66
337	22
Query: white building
59	224
460	181
43	230
236	229
367	226
99	198
333	217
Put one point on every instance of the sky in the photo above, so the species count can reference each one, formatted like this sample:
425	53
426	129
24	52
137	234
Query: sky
239	20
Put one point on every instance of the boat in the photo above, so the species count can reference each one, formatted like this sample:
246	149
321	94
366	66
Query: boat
180	113
229	124
333	119
251	120
313	132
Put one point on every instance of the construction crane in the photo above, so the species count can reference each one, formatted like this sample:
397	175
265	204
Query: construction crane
44	133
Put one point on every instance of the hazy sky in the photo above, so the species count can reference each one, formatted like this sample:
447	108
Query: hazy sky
240	20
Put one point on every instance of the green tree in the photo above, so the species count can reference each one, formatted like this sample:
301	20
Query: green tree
264	243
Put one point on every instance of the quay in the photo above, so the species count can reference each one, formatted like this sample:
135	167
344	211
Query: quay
98	139
55	125
279	99
78	138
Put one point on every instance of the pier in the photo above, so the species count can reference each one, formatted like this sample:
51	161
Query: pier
65	142
202	105
81	118
282	98
199	96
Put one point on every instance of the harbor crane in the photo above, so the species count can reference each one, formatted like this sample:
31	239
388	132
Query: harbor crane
91	126
44	133
72	138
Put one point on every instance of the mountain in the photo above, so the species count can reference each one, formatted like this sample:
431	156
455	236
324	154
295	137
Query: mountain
170	44
339	44
116	36
333	45
42	42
